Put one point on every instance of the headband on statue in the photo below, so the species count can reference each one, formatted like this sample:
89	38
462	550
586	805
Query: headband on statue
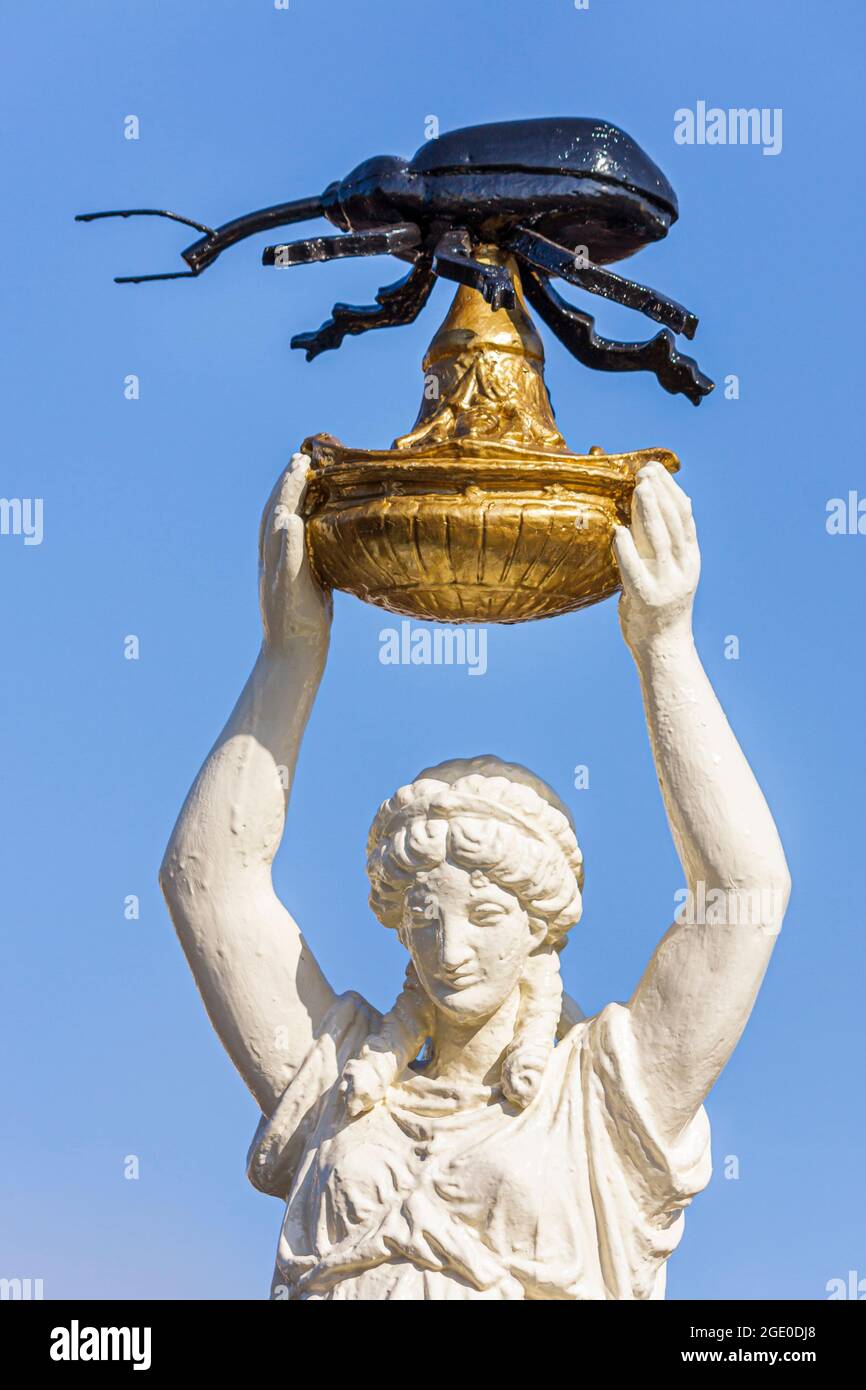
488	790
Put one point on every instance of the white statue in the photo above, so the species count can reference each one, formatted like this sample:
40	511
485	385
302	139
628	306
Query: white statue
532	1153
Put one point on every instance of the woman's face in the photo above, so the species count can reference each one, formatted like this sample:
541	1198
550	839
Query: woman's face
468	938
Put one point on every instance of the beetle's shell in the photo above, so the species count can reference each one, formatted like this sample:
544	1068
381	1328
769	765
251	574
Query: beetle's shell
582	183
573	145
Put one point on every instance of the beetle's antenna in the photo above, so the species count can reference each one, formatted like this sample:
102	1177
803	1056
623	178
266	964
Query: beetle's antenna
145	212
167	275
149	212
215	240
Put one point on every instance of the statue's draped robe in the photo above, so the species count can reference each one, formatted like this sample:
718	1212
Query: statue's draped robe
445	1192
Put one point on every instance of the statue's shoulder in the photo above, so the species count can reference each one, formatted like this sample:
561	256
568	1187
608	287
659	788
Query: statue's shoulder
570	1016
349	1011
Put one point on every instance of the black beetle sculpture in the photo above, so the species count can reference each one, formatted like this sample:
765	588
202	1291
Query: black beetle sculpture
563	196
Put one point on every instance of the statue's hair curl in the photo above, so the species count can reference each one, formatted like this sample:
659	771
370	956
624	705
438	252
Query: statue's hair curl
491	818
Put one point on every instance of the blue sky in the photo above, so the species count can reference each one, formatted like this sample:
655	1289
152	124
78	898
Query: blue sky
150	514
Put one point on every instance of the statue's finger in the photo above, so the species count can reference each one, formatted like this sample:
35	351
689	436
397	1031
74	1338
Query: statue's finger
631	566
672	489
265	525
291	486
294	543
650	521
280	512
672	519
285	494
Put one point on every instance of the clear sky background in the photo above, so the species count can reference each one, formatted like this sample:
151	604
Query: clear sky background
150	515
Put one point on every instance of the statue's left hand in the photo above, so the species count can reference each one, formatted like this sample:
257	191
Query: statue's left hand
659	560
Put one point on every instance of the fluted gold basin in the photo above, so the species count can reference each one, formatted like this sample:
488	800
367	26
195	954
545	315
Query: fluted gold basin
480	513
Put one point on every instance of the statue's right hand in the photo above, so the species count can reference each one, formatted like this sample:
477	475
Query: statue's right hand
293	603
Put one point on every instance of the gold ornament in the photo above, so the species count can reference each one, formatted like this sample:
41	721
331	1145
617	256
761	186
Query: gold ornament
480	513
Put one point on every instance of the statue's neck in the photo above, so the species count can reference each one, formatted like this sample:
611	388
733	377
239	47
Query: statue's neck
473	1052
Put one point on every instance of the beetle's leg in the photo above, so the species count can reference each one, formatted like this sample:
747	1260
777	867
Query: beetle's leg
395	305
454	261
674	371
378	241
547	255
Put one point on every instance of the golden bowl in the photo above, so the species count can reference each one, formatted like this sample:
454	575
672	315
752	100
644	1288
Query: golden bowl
497	534
481	513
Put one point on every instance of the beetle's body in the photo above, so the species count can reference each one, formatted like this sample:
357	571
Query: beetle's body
580	183
565	196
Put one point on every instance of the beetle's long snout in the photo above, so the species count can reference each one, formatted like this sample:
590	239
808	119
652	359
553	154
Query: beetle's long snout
204	252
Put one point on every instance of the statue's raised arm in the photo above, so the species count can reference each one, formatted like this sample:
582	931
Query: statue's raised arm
696	995
262	988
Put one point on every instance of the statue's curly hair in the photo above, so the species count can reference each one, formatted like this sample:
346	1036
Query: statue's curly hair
500	821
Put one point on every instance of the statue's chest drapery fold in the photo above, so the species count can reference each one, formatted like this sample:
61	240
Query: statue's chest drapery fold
465	1164
456	1183
450	1193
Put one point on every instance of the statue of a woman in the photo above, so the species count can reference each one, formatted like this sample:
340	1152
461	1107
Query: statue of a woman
481	1140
